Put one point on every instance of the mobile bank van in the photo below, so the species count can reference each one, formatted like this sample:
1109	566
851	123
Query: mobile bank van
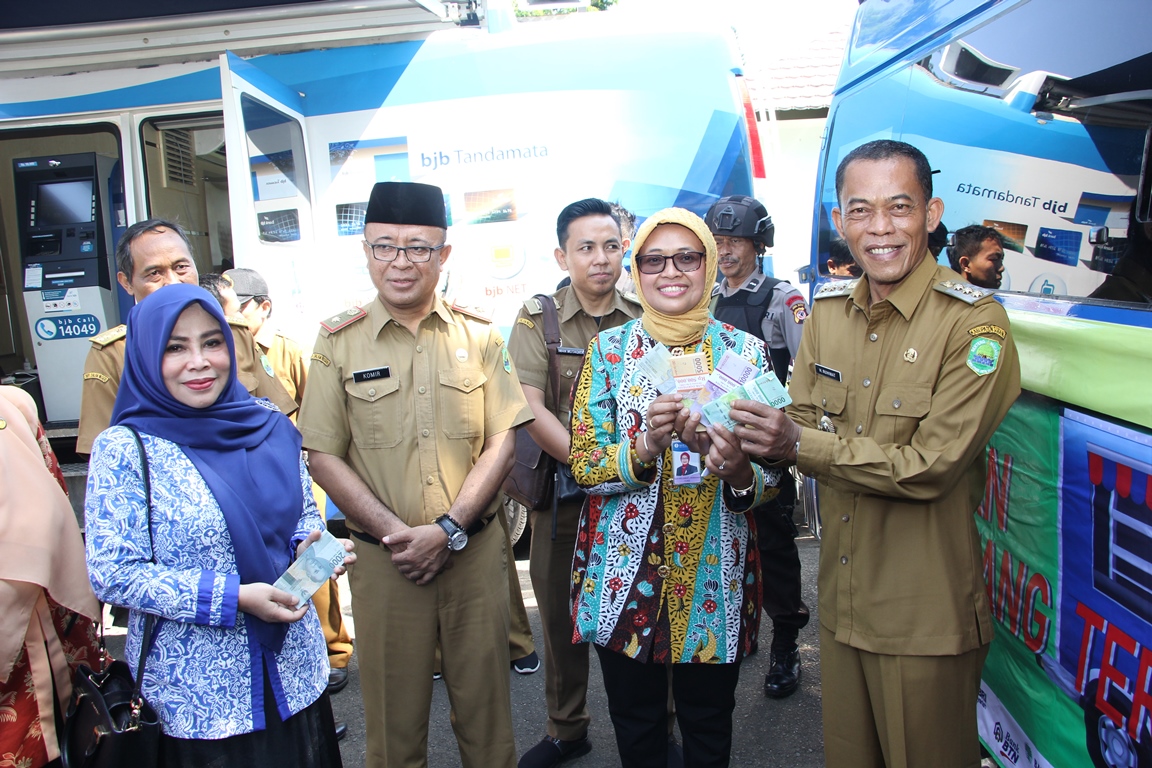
1035	117
262	131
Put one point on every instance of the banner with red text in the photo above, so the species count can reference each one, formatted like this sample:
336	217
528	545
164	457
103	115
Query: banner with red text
1067	529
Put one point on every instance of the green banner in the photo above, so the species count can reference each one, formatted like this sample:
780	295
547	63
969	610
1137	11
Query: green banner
1067	533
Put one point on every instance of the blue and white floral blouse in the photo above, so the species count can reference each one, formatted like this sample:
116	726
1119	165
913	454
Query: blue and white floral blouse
198	675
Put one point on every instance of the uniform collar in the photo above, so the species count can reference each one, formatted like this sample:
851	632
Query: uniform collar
379	316
751	283
568	303
907	295
266	335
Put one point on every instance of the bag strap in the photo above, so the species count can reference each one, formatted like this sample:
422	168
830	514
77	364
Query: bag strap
150	619
552	342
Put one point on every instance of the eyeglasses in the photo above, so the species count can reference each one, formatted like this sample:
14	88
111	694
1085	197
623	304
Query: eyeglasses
417	254
655	263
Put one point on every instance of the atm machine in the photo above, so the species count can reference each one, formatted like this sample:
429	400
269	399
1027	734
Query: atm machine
70	291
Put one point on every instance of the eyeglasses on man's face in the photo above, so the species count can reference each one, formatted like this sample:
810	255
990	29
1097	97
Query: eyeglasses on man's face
654	263
417	254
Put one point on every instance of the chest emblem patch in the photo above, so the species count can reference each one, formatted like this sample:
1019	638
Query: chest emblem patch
983	354
462	354
910	355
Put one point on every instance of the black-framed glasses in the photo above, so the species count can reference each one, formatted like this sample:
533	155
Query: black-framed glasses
654	263
417	254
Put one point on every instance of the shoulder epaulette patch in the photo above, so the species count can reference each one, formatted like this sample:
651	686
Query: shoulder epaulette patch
110	335
96	376
239	321
476	313
342	320
533	306
958	289
321	358
835	288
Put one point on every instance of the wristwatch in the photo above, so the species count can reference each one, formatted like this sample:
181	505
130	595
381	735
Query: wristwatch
457	538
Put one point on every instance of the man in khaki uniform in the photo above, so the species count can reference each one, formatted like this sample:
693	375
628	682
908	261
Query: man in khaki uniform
901	378
591	251
408	419
151	255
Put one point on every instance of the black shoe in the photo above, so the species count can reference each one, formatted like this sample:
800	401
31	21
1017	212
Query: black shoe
337	679
550	752
341	730
526	665
784	675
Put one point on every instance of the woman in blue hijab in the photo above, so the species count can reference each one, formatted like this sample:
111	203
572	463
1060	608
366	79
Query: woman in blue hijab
236	672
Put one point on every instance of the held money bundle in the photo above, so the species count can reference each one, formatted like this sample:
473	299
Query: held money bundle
315	566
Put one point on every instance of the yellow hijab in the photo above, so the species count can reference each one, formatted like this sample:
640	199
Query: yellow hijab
677	330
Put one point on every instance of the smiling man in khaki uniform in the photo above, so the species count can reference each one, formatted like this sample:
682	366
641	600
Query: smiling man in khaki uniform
409	420
150	255
901	378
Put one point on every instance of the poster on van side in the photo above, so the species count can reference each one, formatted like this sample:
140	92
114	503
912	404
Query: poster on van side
1065	524
1044	209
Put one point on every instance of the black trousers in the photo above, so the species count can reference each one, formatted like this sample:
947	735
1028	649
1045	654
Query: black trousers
780	567
705	696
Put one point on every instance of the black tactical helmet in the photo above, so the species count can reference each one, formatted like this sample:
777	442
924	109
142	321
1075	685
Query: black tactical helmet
741	216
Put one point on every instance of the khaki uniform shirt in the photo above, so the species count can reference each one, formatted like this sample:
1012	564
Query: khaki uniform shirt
577	327
410	414
287	360
105	364
914	385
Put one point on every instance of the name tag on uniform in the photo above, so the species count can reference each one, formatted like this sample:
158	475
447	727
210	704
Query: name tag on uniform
823	370
372	373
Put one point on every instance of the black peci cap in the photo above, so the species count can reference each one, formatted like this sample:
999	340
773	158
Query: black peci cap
401	202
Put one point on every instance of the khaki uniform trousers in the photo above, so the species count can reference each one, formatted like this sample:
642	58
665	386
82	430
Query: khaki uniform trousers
520	635
565	664
899	711
520	642
397	627
327	602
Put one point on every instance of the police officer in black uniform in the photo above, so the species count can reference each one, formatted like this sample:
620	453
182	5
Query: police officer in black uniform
774	311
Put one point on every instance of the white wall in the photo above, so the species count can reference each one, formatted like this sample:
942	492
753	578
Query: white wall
791	154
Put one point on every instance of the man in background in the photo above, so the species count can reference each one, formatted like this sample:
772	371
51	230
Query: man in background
151	255
590	249
774	311
977	253
840	261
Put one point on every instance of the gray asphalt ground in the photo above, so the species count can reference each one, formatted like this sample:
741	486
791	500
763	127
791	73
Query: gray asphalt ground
767	732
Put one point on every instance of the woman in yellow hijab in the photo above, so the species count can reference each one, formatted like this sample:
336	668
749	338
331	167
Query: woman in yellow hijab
665	573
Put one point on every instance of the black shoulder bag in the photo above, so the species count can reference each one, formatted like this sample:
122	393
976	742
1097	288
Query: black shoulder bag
109	724
537	480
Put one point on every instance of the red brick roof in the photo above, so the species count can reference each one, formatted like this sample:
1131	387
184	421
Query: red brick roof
796	68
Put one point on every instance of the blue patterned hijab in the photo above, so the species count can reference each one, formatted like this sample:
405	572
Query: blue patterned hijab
247	453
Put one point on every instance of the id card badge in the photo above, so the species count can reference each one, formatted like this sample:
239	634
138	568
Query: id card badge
685	464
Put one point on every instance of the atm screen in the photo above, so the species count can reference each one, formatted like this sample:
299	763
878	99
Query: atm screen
64	202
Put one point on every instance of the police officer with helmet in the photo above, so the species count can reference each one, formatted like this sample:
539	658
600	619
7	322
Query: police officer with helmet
774	311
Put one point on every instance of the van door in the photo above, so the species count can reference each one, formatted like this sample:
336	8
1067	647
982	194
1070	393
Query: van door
269	187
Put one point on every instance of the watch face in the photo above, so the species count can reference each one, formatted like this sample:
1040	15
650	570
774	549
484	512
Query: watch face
457	541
